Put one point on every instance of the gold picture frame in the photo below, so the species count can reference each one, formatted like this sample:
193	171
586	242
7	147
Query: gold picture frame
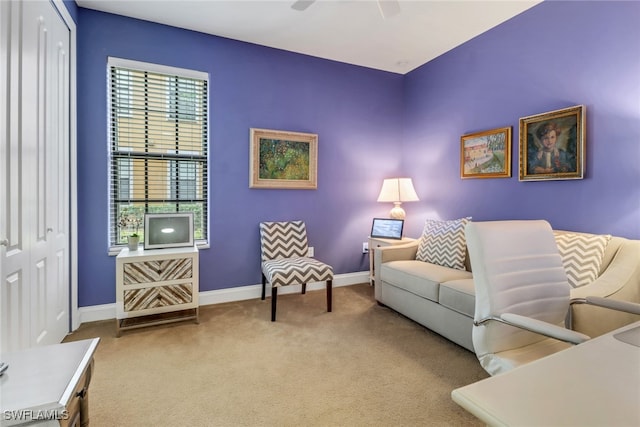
552	145
283	159
486	154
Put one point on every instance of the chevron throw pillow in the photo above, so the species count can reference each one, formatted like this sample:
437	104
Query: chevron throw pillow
443	243
581	255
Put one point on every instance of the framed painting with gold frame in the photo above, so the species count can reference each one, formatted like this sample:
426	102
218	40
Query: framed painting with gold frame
552	145
283	159
486	154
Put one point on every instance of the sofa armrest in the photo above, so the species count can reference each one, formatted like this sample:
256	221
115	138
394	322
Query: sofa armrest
620	281
624	271
406	251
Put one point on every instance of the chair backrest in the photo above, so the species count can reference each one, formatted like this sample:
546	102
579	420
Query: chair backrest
286	239
516	269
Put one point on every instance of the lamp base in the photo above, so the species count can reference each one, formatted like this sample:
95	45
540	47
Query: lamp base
397	212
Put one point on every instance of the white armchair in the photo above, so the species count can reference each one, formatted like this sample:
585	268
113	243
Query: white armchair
522	294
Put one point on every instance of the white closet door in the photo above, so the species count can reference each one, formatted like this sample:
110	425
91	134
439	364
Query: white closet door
14	252
34	226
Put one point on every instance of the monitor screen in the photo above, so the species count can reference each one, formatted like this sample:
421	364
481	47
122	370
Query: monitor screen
387	228
168	230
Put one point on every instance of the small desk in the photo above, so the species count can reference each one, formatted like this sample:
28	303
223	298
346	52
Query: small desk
47	385
596	383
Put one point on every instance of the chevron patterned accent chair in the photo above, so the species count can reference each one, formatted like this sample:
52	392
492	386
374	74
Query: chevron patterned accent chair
284	248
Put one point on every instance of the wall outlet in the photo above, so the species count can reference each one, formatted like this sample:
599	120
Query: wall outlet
365	247
310	252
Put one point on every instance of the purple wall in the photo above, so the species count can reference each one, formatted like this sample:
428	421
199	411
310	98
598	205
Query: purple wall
355	111
373	125
72	8
556	55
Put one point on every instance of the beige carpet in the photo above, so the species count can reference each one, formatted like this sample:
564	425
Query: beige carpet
362	365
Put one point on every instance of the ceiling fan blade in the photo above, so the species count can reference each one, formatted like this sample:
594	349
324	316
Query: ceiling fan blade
302	5
389	8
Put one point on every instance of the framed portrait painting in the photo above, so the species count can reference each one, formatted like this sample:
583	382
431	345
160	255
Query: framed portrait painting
552	145
282	159
486	154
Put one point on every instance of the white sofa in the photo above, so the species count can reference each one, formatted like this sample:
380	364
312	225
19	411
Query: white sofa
443	299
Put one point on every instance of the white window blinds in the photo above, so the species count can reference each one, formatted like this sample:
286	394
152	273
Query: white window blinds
158	146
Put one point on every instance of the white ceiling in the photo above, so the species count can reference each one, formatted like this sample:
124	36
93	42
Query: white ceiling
353	31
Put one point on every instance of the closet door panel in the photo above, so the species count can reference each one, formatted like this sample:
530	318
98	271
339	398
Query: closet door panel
34	223
49	246
34	82
59	190
15	320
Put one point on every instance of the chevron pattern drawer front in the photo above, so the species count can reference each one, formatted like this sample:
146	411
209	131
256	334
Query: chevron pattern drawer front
160	296
157	271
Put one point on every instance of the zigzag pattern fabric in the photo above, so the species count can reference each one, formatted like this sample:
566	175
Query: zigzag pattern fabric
160	296
289	271
443	243
284	255
157	270
283	240
581	255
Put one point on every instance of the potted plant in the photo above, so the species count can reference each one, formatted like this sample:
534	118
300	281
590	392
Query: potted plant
131	221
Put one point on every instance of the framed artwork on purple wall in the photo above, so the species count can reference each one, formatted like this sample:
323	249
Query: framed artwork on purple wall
552	145
486	154
283	159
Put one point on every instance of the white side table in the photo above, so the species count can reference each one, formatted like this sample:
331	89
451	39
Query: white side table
376	242
156	286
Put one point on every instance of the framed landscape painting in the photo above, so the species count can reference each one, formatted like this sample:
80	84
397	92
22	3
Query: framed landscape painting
552	145
486	154
282	159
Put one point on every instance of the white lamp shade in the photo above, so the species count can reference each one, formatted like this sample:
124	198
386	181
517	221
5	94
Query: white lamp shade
398	190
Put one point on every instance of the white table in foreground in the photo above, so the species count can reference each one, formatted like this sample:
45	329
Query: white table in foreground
596	383
47	386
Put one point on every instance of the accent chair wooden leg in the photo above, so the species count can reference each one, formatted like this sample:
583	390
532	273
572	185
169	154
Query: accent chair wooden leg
304	288
264	285
329	295
274	300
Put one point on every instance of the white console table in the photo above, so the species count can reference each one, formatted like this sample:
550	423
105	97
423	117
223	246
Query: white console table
47	386
156	286
596	383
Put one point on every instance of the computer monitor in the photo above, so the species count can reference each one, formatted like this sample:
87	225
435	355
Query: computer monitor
387	228
168	230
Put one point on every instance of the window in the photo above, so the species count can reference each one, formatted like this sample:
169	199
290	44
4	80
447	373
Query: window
182	98
158	145
122	91
183	179
124	179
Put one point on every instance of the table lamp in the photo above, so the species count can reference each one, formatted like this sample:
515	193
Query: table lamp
397	190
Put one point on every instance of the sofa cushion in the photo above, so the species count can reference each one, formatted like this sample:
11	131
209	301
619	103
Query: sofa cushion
443	243
420	278
581	255
459	295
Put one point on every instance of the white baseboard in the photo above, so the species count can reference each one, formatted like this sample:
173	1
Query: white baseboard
95	313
